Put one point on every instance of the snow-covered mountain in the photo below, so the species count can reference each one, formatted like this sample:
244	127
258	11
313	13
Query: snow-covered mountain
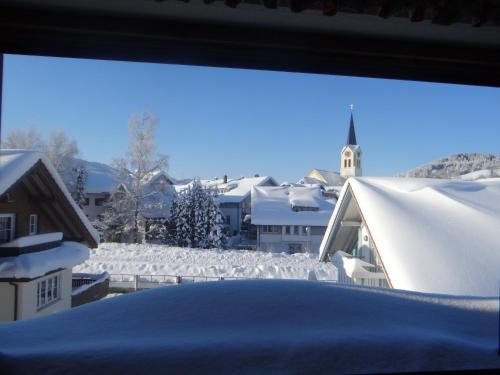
467	166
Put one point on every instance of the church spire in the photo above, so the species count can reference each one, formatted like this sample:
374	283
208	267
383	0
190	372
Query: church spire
351	136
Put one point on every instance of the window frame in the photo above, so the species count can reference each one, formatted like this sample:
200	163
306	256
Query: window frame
33	225
48	291
12	217
271	229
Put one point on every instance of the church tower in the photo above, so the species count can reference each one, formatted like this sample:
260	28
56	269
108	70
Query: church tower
350	156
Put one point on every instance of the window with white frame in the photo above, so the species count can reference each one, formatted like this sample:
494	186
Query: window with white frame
275	229
7	226
48	291
296	230
33	224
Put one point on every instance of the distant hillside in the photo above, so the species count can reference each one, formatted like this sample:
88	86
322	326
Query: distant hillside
468	166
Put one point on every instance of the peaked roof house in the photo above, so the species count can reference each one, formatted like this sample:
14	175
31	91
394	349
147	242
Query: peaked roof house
290	218
43	234
425	235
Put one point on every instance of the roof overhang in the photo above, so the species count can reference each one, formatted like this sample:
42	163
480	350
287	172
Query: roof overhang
449	43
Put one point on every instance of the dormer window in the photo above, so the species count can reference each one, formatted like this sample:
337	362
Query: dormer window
7	224
33	224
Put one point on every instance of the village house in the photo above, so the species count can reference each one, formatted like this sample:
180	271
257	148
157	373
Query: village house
290	219
43	234
424	235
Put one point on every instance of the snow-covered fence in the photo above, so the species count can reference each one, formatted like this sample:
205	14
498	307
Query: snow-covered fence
129	282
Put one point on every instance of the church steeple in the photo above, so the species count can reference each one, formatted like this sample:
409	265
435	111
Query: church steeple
351	136
350	156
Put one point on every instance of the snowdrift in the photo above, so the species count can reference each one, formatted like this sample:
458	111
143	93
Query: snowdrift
258	327
148	259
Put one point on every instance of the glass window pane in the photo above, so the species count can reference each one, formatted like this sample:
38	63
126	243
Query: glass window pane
42	293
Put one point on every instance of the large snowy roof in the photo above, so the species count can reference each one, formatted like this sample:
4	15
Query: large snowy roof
432	235
101	178
14	164
273	206
257	327
235	190
323	177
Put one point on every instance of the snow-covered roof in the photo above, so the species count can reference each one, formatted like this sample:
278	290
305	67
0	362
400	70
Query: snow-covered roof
258	327
274	206
14	164
323	177
101	178
432	235
234	190
31	265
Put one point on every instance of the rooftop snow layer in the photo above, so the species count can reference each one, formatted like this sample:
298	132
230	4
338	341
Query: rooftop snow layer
325	177
433	235
31	240
37	264
15	163
273	206
258	327
235	190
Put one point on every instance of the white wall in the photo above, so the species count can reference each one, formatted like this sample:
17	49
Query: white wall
234	213
27	307
91	210
279	242
6	302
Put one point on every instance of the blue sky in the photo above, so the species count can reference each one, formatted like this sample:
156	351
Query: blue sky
215	121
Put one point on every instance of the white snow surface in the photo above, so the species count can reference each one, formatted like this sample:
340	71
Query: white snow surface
15	163
433	235
235	190
36	239
116	258
258	327
273	206
37	264
101	178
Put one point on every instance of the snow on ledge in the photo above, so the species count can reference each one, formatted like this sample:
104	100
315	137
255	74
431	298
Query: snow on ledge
29	266
259	327
37	239
102	278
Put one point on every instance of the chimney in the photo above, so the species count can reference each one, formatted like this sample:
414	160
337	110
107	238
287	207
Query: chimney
225	178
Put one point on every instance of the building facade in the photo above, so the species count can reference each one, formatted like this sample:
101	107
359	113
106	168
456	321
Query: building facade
43	234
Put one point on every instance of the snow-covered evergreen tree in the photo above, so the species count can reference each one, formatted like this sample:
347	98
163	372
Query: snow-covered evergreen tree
195	219
80	184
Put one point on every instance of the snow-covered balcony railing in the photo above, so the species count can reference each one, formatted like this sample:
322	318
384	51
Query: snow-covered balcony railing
31	244
88	288
353	270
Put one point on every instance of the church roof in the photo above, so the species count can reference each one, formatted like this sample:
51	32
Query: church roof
351	137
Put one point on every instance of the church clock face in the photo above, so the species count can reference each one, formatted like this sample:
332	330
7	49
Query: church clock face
347	153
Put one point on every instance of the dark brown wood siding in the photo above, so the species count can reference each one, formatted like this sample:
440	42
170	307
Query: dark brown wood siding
23	205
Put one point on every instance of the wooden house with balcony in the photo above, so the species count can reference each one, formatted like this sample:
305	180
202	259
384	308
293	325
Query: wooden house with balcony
423	235
43	234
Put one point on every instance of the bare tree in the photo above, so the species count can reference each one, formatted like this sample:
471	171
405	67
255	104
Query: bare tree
136	168
29	139
60	150
58	147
